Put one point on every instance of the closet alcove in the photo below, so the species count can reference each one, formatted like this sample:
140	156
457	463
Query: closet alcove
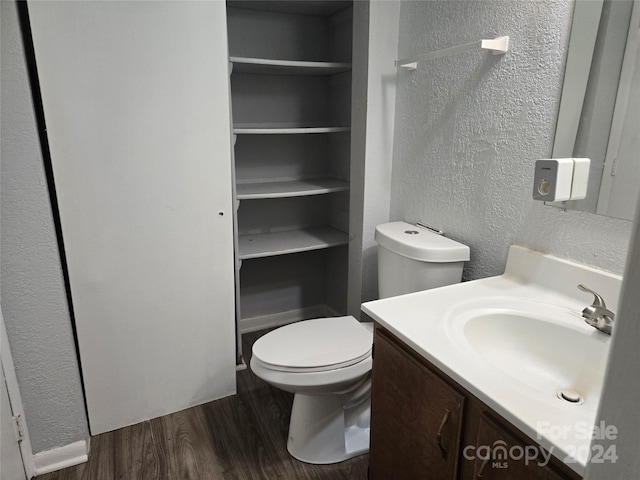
290	81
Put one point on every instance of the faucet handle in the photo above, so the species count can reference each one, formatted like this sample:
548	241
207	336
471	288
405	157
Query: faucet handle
597	315
598	301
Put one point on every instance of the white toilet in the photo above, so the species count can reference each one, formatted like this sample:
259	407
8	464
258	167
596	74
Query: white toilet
326	362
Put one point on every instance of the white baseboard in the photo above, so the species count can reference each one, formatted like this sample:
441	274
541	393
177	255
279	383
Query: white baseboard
61	457
282	318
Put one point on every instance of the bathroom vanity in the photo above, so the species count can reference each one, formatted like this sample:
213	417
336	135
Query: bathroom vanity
498	378
425	425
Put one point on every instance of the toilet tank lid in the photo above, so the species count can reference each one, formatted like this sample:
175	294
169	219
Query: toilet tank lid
420	244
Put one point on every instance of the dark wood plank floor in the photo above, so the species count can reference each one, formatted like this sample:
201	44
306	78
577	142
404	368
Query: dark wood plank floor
240	437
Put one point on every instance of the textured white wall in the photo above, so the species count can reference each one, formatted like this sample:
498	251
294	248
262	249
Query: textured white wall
469	128
33	294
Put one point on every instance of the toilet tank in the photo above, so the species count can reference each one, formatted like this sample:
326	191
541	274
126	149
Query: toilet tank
412	258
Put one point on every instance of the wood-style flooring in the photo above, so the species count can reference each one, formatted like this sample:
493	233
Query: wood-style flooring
239	437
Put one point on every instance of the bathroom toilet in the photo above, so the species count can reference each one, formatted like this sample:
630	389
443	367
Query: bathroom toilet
326	362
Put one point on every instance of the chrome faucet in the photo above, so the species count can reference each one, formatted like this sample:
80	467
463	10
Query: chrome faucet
597	315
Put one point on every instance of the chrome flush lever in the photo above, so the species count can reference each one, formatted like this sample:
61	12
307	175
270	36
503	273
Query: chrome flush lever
597	315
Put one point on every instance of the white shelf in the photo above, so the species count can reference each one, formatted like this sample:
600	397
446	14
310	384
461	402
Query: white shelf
305	7
289	241
283	129
294	188
266	66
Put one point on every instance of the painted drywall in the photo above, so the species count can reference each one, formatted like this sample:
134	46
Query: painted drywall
373	107
383	48
621	391
33	294
360	61
469	128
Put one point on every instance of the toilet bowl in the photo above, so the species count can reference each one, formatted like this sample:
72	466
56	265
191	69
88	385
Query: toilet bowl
326	362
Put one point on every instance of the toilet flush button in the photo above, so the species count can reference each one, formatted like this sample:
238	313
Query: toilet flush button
411	232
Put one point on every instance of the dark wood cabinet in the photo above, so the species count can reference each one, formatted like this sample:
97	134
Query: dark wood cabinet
417	422
426	426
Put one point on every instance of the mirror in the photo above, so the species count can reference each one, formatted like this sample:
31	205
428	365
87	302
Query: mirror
599	115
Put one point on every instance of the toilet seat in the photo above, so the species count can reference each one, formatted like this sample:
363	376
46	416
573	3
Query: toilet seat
315	345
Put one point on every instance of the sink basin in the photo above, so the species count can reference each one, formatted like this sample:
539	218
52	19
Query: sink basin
544	347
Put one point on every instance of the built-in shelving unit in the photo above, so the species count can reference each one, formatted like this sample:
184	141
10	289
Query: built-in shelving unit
291	104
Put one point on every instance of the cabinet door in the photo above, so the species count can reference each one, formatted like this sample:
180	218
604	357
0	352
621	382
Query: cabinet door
136	102
498	456
416	418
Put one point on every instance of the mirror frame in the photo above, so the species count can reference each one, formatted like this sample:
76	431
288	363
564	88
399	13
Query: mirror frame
584	32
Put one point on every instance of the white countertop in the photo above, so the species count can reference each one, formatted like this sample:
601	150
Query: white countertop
423	320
